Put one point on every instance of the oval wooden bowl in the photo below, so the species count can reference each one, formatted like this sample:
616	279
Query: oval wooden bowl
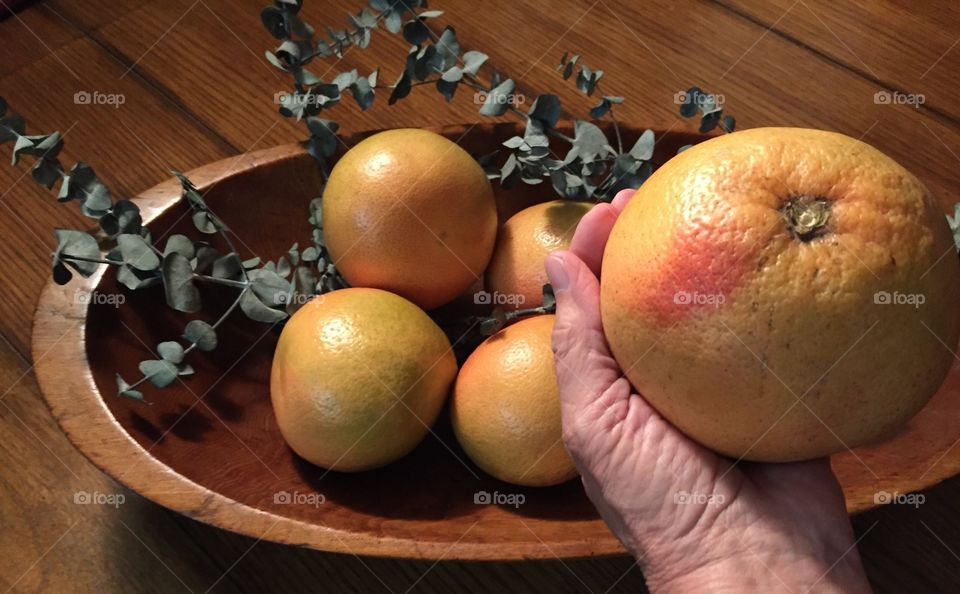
209	448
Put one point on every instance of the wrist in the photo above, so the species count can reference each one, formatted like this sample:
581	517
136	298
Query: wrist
736	563
761	574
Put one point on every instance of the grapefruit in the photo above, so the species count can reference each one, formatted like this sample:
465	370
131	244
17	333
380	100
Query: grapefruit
358	377
505	407
410	212
782	294
516	274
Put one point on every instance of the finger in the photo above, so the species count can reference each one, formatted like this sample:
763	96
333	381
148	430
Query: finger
620	200
585	367
591	235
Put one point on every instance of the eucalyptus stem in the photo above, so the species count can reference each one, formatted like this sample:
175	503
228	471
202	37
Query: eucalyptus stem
222	281
616	130
223	316
106	261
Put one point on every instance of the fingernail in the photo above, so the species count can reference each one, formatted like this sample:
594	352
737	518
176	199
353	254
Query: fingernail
557	272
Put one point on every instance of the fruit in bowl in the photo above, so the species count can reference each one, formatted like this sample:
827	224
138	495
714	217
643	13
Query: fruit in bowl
411	212
516	270
505	408
359	376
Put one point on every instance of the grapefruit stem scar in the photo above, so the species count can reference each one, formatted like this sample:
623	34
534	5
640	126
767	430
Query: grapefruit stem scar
807	216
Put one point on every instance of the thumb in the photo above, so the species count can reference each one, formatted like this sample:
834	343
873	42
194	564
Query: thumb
585	367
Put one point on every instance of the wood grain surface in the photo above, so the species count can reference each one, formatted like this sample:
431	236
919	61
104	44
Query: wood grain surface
197	89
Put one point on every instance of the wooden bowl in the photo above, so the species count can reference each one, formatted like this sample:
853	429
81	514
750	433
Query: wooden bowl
210	449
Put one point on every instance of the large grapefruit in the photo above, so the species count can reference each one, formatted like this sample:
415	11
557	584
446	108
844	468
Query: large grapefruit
782	294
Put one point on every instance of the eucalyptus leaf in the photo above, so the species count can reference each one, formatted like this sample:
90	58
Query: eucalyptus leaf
324	133
251	305
160	373
83	184
447	84
423	66
690	105
709	122
205	222
365	20
124	389
46	172
415	31
275	61
77	244
590	141
310	254
274	22
11	127
228	267
270	287
514	142
201	334
284	268
205	256
546	109
135	279
643	149
401	88
124	217
22	144
136	252
180	244
181	293
448	50
171	351
473	60
393	21
363	91
345	80
498	99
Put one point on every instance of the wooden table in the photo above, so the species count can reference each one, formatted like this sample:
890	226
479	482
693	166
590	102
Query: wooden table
197	88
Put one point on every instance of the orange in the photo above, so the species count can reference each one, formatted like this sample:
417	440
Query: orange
410	212
358	377
782	294
516	274
505	407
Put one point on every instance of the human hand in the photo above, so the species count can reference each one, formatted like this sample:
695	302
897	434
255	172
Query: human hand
695	521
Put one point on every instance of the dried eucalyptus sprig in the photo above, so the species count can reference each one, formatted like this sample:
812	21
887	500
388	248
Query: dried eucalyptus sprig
591	169
265	293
